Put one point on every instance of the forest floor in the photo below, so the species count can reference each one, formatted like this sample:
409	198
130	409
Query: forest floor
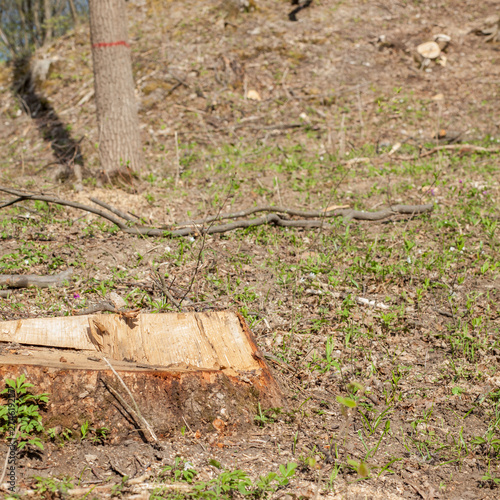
240	109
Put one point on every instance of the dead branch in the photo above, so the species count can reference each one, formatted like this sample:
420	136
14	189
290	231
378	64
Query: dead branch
180	488
103	306
159	281
52	199
462	148
27	280
138	414
292	16
254	210
350	214
113	210
192	227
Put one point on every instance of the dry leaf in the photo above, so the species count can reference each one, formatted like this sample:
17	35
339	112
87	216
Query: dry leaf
219	425
253	95
336	207
429	50
394	148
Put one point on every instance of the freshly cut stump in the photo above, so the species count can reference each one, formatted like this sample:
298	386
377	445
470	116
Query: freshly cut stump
193	368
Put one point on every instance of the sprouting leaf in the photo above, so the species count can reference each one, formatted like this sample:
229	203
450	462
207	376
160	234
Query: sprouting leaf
350	403
363	469
214	463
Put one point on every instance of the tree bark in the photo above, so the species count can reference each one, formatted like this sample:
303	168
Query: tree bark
37	28
22	18
120	149
47	21
72	9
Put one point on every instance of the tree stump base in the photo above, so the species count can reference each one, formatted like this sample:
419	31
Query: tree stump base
182	369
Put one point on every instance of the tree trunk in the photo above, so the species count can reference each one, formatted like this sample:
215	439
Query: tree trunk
47	21
120	149
37	28
22	18
72	9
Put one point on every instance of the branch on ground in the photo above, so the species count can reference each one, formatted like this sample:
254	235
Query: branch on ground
27	280
462	149
199	227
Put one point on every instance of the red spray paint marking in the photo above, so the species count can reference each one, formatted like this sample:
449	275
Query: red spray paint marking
110	44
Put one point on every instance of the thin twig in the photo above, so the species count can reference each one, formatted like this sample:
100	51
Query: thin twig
160	281
191	430
198	260
142	419
178	165
463	148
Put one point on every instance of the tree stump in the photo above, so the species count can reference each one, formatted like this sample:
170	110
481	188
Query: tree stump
181	368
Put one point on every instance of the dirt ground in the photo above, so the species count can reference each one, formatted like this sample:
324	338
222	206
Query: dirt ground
240	109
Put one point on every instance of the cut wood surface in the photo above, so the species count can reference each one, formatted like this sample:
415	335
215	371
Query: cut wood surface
192	367
209	340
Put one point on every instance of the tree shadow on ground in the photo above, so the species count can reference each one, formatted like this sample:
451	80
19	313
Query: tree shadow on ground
66	149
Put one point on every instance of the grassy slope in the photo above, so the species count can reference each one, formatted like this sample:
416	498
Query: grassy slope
424	371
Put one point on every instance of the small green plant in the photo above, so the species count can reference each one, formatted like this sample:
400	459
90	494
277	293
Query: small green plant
117	489
227	483
23	408
489	478
51	485
180	471
360	467
84	429
100	435
286	473
66	434
262	418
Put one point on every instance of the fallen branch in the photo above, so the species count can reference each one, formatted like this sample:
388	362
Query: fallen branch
463	148
350	214
103	306
27	280
113	210
141	484
52	199
137	412
193	227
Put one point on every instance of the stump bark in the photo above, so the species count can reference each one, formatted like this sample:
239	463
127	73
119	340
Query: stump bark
189	368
